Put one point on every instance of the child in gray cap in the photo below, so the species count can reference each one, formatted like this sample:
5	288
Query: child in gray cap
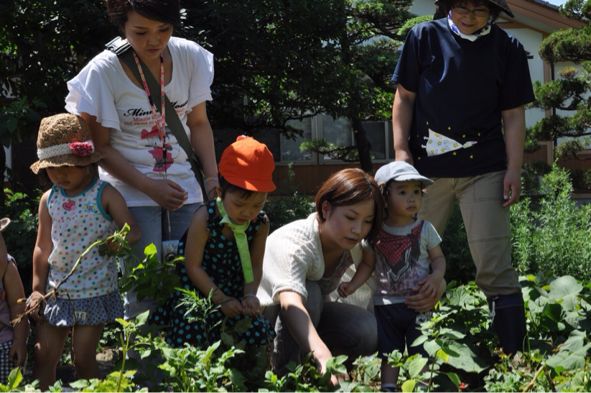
405	258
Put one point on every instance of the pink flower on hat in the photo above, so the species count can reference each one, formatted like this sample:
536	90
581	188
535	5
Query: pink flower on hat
81	149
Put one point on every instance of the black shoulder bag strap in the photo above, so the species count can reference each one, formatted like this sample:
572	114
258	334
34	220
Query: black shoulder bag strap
123	50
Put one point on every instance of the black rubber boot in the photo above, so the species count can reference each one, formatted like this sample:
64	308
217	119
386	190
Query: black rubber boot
508	315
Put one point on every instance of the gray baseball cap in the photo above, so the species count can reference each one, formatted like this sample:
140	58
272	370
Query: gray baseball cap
400	171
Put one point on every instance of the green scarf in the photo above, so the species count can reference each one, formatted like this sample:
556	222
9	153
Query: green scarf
241	242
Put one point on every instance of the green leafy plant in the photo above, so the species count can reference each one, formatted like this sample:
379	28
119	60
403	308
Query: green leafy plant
551	235
22	232
152	278
15	378
114	382
194	370
305	377
283	210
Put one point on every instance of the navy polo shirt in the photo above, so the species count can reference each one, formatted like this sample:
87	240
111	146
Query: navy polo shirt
461	88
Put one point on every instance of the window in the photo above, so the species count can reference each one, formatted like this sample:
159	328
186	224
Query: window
339	132
290	148
379	136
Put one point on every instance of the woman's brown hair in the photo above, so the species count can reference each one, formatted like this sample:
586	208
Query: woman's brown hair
349	187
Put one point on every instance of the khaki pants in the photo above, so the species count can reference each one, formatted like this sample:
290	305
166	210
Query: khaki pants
487	226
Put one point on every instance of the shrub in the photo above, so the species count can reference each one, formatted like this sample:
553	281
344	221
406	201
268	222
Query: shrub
21	234
283	210
551	235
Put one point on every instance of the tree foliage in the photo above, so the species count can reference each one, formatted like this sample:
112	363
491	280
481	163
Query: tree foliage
571	93
280	61
274	60
42	44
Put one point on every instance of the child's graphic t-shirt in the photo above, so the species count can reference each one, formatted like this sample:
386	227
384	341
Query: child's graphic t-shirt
402	260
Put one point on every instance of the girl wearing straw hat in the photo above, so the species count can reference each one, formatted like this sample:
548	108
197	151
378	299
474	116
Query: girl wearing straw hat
78	210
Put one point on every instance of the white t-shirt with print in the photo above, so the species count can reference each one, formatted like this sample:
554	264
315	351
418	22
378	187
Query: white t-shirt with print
103	89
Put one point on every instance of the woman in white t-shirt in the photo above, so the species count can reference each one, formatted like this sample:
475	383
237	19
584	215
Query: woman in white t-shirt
142	158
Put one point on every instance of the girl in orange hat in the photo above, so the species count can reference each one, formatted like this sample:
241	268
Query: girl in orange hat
223	251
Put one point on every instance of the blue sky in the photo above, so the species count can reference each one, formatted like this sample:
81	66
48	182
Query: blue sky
557	2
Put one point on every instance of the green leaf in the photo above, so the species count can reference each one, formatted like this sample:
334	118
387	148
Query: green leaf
553	312
454	378
415	365
336	365
15	378
564	286
450	333
442	355
431	347
409	385
571	354
466	359
142	318
150	250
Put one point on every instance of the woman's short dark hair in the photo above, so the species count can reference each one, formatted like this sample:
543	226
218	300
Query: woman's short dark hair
167	11
349	187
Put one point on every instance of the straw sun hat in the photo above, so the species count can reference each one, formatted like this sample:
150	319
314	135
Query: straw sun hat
64	140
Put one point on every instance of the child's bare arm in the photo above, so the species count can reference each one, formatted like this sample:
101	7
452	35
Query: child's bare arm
437	262
115	205
362	273
431	284
43	247
15	292
257	251
194	249
41	252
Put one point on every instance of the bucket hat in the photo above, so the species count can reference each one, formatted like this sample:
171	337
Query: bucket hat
400	171
502	4
248	164
64	140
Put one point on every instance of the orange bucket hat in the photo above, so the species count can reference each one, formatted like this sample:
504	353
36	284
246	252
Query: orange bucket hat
248	164
64	140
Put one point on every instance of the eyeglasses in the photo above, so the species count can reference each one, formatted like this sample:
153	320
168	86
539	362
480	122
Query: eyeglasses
477	12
